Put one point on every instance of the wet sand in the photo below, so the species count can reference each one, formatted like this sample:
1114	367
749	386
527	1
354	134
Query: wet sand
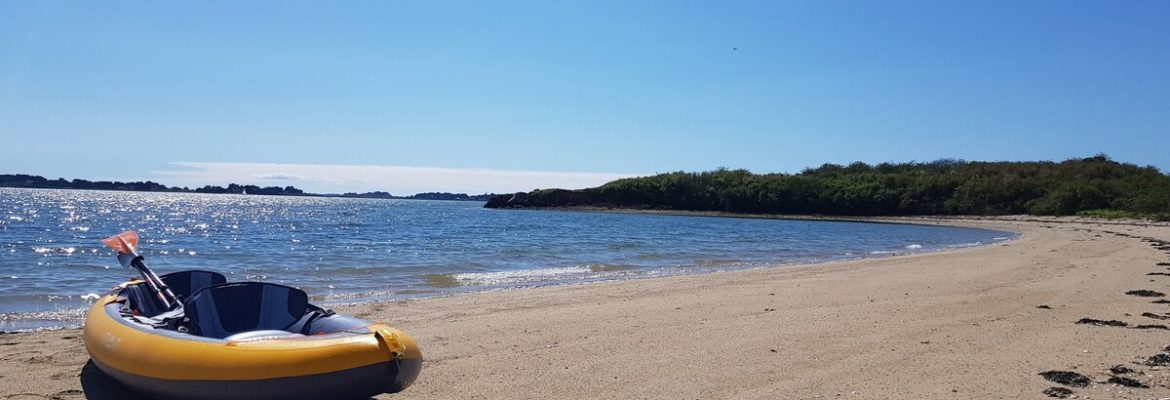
993	322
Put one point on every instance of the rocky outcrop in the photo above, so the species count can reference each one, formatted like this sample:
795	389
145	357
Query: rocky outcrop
540	198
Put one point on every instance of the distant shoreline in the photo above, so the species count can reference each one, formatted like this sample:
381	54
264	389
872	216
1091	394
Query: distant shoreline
22	181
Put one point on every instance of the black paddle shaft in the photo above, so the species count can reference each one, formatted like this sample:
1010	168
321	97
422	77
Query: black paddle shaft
164	293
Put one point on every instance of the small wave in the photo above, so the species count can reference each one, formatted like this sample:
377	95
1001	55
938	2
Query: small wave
525	276
521	276
56	250
963	245
610	267
41	320
914	246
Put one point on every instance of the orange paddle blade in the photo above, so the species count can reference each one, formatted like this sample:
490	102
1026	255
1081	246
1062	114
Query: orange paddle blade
125	242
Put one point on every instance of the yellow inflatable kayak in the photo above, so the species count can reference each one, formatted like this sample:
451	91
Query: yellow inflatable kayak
192	335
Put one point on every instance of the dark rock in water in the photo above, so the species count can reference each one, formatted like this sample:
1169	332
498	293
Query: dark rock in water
540	198
497	201
1159	360
1098	322
1058	392
1162	327
518	199
1121	369
1127	382
1145	293
1154	316
1044	306
1067	378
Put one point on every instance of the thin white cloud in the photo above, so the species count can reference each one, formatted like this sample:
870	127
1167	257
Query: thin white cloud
278	177
325	178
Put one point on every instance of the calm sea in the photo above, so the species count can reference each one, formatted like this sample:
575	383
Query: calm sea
358	250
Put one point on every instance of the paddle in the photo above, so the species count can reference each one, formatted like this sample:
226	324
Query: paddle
126	244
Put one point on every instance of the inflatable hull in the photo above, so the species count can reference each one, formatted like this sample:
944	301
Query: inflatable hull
356	363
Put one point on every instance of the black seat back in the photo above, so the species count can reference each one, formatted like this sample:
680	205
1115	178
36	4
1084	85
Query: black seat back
184	283
145	302
226	309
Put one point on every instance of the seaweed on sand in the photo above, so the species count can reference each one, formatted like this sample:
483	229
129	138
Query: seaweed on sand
1098	322
1067	378
1145	293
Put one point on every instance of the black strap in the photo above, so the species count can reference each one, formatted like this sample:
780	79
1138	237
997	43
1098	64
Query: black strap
315	315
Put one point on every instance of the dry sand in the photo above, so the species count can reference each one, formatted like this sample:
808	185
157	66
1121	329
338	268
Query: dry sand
959	324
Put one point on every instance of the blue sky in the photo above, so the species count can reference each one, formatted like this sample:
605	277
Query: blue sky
514	95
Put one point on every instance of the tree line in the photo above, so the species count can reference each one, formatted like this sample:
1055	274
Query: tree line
1090	186
38	182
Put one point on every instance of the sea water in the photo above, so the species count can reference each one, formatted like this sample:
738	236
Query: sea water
339	250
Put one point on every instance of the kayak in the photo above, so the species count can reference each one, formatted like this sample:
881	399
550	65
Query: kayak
241	340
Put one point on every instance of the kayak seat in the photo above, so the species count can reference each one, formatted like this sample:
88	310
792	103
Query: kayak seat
220	311
145	302
184	283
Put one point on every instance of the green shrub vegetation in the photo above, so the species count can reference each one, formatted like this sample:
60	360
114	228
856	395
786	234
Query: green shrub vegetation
1095	186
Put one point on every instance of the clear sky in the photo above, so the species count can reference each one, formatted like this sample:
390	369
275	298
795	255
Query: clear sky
514	95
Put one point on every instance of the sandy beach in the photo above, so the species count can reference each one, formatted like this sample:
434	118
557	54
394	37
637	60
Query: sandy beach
981	322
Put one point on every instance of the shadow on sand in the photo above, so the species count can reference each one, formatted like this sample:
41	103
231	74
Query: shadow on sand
99	386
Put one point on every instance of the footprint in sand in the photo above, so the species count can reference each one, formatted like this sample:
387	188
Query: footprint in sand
63	375
10	357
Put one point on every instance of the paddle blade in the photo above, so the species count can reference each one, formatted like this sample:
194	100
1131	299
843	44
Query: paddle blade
123	243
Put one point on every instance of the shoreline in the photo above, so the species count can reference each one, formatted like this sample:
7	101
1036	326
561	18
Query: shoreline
908	219
75	316
962	323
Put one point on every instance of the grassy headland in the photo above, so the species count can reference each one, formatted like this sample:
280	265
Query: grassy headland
1096	186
